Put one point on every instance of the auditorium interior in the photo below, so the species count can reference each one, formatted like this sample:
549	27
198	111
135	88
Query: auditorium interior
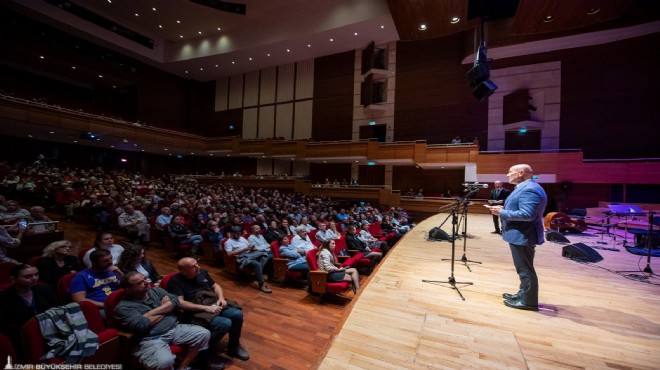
398	105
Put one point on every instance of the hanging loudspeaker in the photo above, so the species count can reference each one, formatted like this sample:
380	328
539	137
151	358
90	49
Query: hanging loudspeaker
438	234
555	236
581	251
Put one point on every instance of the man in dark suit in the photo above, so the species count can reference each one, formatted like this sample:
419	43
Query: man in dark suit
522	228
497	197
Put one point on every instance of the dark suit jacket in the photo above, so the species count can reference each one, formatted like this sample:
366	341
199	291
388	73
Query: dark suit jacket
504	193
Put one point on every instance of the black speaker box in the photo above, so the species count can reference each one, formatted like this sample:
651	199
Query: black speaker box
581	251
555	236
438	234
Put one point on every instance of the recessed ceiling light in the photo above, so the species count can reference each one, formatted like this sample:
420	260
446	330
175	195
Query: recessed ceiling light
100	76
216	66
250	58
232	62
180	36
114	86
160	26
186	72
211	154
112	146
200	32
422	27
219	29
110	1
288	50
75	141
455	20
73	67
42	57
593	11
143	150
201	69
309	45
548	19
268	54
331	40
137	15
51	132
355	34
154	9
178	21
134	144
29	135
165	149
382	26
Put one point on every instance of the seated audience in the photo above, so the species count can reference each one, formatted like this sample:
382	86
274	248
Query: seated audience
302	240
164	218
96	283
296	256
273	232
23	300
57	262
305	223
183	235
327	262
13	213
135	223
37	215
214	234
285	229
8	241
104	240
371	240
353	242
151	314
203	302
247	255
133	258
325	234
68	200
259	241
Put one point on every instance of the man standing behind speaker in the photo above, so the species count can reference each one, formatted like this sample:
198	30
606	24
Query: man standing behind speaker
497	197
522	228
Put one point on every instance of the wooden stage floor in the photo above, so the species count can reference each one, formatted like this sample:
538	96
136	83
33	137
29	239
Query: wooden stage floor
590	316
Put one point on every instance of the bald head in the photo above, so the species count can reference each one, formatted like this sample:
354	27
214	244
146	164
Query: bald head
519	173
185	262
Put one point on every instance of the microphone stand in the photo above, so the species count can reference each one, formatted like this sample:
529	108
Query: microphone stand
464	202
454	230
649	246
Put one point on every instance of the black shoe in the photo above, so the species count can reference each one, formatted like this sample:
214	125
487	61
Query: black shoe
520	305
510	297
239	352
495	232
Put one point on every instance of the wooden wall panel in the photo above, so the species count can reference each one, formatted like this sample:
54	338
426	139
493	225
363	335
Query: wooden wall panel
285	82
268	86
250	121
333	97
371	175
284	121
281	167
266	121
305	79
319	172
251	94
303	119
236	91
222	94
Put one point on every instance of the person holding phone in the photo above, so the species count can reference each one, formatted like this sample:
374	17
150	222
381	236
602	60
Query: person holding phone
8	241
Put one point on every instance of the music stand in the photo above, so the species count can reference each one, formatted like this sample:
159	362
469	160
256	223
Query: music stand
463	221
454	230
649	246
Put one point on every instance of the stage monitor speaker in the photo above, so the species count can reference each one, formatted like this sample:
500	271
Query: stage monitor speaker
581	251
437	234
484	90
555	236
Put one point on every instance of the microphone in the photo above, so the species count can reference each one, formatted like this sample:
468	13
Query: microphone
475	185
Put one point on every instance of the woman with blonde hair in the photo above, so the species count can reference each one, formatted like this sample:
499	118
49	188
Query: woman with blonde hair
57	262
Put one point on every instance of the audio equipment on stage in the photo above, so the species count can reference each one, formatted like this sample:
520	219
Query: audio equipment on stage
582	252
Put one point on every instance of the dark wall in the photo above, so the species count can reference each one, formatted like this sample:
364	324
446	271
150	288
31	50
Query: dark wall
433	100
333	97
371	175
434	182
608	96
